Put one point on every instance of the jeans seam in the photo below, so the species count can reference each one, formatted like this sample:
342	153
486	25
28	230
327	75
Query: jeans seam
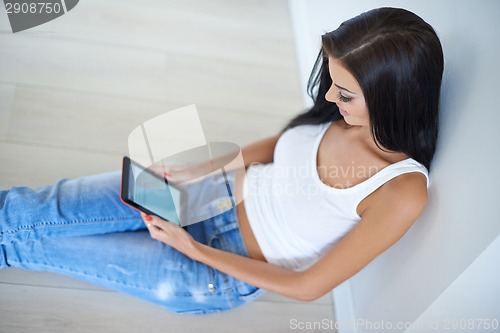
68	270
65	223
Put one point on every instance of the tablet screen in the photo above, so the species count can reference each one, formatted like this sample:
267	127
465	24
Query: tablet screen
149	192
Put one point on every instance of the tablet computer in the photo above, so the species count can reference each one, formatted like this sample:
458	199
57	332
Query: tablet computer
149	192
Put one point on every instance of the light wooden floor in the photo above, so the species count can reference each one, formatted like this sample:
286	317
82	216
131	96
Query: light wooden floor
71	91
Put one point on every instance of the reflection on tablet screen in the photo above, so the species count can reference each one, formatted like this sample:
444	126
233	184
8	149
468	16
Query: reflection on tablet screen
154	193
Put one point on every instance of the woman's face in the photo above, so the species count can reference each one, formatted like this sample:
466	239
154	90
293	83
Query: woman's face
346	93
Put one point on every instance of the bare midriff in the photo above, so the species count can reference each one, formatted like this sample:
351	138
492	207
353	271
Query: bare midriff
247	234
251	244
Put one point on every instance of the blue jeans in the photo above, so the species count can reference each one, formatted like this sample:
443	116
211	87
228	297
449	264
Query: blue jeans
79	227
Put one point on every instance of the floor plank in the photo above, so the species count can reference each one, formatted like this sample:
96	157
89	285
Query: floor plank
70	64
65	118
34	166
7	93
254	89
229	28
68	310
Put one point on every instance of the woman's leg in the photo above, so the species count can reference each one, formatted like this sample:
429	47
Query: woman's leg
133	263
70	207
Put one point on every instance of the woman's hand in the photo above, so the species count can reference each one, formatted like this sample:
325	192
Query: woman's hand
170	234
185	173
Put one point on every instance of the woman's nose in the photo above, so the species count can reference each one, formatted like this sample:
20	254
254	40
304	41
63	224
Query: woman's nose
330	95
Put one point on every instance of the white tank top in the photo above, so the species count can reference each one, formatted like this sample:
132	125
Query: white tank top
294	216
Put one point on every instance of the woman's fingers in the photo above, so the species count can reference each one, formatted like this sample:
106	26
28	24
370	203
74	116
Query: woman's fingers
148	220
155	226
169	233
154	222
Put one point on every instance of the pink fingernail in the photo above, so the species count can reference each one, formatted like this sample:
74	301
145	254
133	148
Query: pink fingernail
148	218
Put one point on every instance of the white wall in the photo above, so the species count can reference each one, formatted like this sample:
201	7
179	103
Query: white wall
430	267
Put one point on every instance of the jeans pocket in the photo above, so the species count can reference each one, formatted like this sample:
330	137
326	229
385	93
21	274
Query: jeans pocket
247	292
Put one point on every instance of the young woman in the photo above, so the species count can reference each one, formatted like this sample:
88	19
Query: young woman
341	184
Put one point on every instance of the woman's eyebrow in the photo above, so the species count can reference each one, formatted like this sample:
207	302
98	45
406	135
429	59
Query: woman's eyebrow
336	85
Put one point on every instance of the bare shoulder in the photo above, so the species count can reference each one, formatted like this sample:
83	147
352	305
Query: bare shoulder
404	196
412	186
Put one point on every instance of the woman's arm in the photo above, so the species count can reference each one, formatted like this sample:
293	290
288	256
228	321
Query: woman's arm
260	152
394	209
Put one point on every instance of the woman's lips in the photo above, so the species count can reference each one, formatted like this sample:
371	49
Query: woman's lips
343	112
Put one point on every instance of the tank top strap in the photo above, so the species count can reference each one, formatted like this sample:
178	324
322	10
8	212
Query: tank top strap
386	174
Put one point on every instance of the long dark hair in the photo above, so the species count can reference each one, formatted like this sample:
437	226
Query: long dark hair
397	59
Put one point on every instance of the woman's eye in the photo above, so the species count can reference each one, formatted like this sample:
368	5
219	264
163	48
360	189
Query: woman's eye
344	99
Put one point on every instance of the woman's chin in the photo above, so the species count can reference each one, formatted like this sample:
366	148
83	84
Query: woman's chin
352	121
